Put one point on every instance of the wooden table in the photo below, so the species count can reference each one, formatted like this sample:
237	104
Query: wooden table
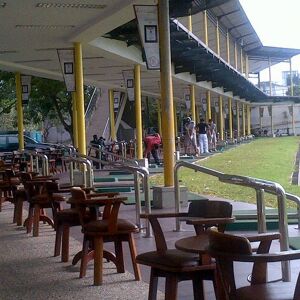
199	244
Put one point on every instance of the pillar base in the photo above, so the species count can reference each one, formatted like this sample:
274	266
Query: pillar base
164	197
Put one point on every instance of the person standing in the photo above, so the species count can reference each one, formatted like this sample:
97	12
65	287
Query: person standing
190	140
212	136
203	141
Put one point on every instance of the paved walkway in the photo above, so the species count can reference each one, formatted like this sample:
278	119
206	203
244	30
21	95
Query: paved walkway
29	270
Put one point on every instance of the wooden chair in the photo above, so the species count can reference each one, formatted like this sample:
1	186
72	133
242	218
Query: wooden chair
203	214
107	229
173	264
63	220
228	248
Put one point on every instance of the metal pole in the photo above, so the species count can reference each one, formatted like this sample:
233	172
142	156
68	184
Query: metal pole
80	98
74	115
238	118
243	119
193	102
20	111
270	76
208	103
230	118
138	111
261	211
166	92
137	194
228	46
112	115
221	118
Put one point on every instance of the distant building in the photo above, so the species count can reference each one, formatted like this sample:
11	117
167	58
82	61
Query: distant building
277	89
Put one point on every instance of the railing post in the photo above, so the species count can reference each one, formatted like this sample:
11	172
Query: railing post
261	211
177	196
137	194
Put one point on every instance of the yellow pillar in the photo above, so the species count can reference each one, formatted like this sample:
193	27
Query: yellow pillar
230	118
197	115
74	116
205	27
218	37
291	79
138	111
228	47
238	118
190	24
270	76
293	120
20	111
80	98
242	61
112	115
260	118
166	92
193	102
159	117
244	119
248	119
221	118
247	66
235	56
175	120
208	104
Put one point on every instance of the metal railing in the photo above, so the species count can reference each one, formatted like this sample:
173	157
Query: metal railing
37	155
137	171
118	157
261	187
86	165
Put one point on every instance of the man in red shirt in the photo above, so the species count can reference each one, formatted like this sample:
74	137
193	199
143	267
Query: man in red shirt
152	141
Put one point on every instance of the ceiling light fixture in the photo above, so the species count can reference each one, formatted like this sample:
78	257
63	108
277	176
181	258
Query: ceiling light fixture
2	4
44	27
69	5
7	51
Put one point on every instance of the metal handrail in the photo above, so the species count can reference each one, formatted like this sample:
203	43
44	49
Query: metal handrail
84	162
124	159
137	171
261	186
45	161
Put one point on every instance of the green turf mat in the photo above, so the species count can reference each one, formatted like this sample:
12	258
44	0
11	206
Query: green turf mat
120	189
271	213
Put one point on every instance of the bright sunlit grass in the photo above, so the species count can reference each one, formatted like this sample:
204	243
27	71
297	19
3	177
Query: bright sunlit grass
271	159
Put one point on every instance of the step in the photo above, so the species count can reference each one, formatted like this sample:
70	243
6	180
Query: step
119	173
105	179
251	225
120	189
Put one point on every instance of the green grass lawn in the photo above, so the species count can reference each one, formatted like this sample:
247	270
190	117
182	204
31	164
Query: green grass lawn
265	158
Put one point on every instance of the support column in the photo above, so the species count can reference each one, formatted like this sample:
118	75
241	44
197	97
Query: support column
248	119
247	66
293	120
270	76
208	104
221	118
291	79
74	116
242	61
218	37
228	46
205	27
138	112
235	56
193	102
175	120
244	120
166	92
159	117
113	135
230	118
80	99
20	111
197	115
260	118
238	118
272	129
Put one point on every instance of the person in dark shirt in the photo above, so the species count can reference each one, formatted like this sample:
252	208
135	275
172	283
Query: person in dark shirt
203	141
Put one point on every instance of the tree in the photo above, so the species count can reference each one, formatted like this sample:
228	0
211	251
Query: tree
49	104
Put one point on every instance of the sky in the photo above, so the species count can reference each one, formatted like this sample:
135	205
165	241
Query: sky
276	23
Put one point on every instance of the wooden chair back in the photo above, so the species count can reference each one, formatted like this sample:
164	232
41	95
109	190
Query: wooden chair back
87	206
